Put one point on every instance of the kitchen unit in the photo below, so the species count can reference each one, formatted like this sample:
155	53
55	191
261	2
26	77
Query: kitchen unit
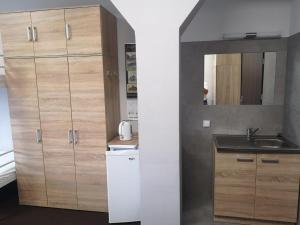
256	180
123	180
62	78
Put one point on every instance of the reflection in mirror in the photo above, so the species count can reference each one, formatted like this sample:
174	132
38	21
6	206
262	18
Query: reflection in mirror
240	79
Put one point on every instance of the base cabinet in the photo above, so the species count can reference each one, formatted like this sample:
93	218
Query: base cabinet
262	187
277	187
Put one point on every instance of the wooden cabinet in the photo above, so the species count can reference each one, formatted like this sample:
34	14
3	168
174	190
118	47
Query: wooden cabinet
235	185
25	122
88	115
15	29
49	32
263	187
83	29
67	96
56	122
277	187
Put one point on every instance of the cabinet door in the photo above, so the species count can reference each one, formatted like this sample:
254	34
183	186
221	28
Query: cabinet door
25	122
49	29
84	30
88	114
234	188
277	187
55	111
15	29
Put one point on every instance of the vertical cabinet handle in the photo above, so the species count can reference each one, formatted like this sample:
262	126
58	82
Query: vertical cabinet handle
29	33
76	137
68	31
34	34
70	136
38	136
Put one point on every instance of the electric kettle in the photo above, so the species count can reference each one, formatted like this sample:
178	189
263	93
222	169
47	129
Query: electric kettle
125	131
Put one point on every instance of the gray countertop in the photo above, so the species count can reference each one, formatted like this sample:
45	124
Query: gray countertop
240	144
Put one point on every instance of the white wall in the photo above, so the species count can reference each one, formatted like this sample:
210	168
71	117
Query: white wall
5	129
295	17
125	35
158	102
239	16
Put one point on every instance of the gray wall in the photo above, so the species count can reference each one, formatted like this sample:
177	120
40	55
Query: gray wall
196	140
292	100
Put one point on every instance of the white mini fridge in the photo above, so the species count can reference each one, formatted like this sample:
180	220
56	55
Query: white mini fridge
123	184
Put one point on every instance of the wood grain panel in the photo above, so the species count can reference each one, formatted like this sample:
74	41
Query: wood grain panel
109	33
277	187
228	79
88	113
55	111
85	30
13	28
112	99
25	120
252	78
50	27
234	188
231	220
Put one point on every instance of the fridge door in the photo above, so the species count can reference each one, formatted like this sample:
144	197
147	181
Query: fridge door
123	182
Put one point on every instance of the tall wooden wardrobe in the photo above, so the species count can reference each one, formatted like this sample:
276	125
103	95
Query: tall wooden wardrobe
62	77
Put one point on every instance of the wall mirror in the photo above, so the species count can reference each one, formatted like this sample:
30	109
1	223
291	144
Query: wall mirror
244	79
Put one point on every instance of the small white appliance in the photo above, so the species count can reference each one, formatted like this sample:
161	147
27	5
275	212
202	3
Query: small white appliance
125	131
123	185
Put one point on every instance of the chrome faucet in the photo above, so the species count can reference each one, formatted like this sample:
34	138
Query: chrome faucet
251	132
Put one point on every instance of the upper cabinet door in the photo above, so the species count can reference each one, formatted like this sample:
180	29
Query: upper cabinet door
83	30
16	34
49	32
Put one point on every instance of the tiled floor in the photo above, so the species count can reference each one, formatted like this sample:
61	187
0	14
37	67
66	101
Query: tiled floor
11	213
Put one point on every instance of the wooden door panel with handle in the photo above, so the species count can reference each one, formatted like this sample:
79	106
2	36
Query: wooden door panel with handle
234	188
16	32
25	123
49	32
83	30
88	113
56	123
277	187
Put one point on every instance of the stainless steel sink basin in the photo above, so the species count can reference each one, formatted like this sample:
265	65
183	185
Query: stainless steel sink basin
257	143
269	142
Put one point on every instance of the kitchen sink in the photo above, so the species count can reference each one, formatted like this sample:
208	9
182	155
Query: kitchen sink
256	143
269	143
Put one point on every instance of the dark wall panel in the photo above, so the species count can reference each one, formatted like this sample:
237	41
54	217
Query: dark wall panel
292	100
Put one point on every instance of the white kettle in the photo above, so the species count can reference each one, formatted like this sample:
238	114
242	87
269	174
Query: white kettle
125	131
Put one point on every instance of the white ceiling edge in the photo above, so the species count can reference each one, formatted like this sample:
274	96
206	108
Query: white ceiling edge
31	5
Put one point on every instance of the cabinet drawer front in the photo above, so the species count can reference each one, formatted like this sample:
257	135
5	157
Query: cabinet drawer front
234	188
277	187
